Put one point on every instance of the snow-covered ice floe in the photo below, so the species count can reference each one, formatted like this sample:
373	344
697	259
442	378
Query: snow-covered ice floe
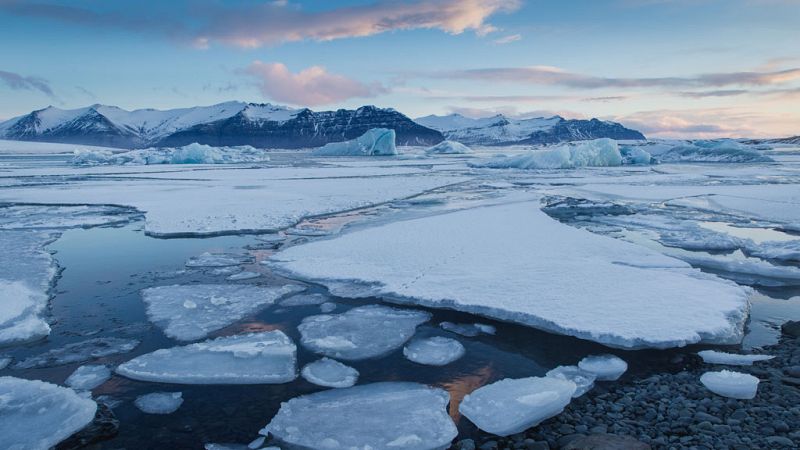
375	142
244	275
35	415
360	333
257	358
78	352
511	406
731	359
604	367
553	277
726	383
159	402
448	148
189	312
583	379
88	377
785	251
597	153
433	351
188	154
713	151
390	415
329	373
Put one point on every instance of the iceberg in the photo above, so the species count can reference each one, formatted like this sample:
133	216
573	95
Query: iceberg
329	373
159	402
718	151
731	359
188	154
375	142
583	379
192	311
256	358
597	153
628	296
604	367
448	148
376	416
38	415
511	406
635	156
360	333
730	384
78	352
434	351
86	378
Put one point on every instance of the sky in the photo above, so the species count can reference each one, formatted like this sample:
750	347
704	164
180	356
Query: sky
669	68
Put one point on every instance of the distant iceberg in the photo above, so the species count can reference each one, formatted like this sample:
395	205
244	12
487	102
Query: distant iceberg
375	142
188	154
448	148
713	151
597	153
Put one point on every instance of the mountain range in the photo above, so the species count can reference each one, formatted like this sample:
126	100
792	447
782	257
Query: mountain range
265	125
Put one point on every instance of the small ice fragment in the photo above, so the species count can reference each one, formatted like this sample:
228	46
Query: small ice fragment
159	402
583	379
218	260
88	377
605	367
246	275
330	373
434	351
731	359
511	406
737	385
304	300
78	352
4	362
486	329
257	442
468	329
327	307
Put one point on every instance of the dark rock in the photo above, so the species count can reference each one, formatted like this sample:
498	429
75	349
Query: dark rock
780	441
791	328
792	371
606	442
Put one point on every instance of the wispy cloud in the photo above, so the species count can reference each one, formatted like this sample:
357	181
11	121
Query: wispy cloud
709	123
508	39
309	87
30	83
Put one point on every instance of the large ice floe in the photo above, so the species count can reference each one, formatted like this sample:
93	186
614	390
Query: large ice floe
553	277
329	373
360	333
189	312
434	351
255	358
375	142
390	415
726	383
597	153
731	359
448	148
159	402
35	415
188	154
510	406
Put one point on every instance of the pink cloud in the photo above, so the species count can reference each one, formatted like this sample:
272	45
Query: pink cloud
309	87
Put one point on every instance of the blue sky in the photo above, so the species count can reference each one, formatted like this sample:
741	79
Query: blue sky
672	68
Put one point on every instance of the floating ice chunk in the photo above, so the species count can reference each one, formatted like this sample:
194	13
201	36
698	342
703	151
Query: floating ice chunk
214	446
330	373
373	416
191	311
89	377
511	406
597	153
605	367
304	300
218	260
726	383
731	359
694	238
4	362
635	155
327	307
36	415
360	333
485	328
788	251
257	442
78	352
721	151
244	276
448	148
159	402
583	379
468	329
434	351
375	142
189	154
257	358
750	270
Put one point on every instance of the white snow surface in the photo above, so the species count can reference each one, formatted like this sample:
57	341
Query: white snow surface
553	277
730	384
448	148
88	377
257	358
192	311
159	402
596	153
433	351
583	379
37	415
604	367
374	142
378	416
731	359
511	406
329	373
361	333
189	154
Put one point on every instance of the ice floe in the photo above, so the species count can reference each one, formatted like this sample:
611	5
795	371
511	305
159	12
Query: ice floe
329	373
327	307
448	148
244	275
360	333
208	259
256	358
786	251
78	352
88	377
583	379
375	142
730	384
731	359
304	300
373	416
604	367
468	329
597	153
189	312
159	402
719	151
511	406
627	295
188	154
433	351
38	415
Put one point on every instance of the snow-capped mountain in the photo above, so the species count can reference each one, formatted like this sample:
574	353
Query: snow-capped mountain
500	130
230	123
